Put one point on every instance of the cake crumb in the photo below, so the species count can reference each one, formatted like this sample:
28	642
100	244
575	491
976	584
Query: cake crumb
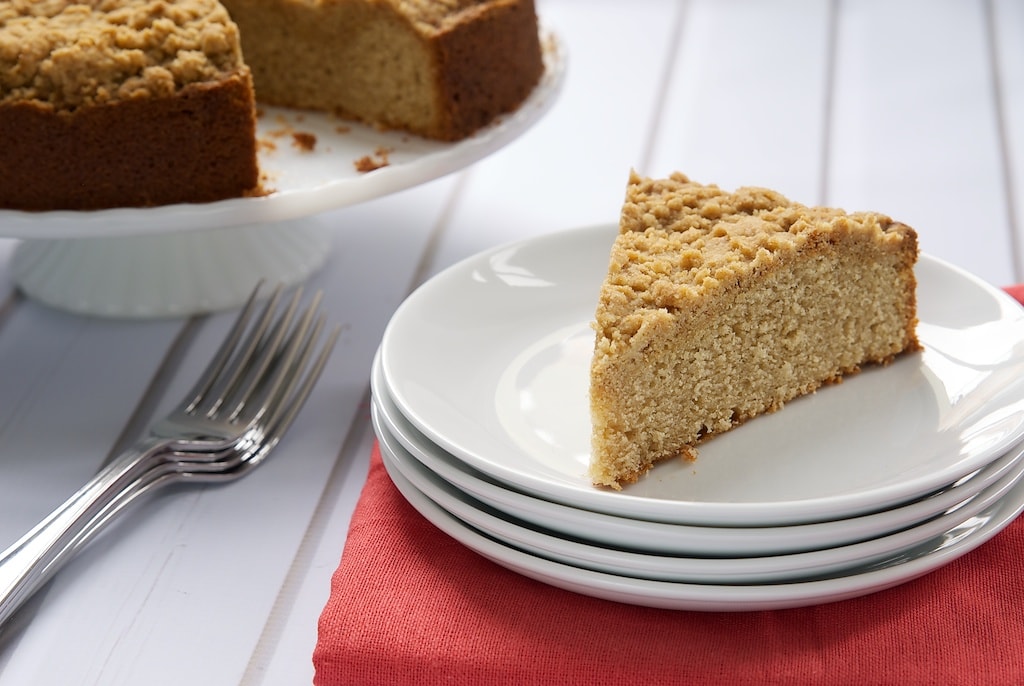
304	141
369	163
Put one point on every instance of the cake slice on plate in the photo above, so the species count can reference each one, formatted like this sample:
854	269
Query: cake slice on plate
720	306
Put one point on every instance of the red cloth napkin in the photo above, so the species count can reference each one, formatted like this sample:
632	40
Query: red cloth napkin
411	606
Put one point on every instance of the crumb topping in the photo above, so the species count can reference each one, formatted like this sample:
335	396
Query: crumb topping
70	54
680	239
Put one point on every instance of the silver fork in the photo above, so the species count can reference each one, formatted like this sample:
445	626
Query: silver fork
227	465
234	416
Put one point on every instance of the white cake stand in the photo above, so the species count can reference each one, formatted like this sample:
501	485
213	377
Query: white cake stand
187	259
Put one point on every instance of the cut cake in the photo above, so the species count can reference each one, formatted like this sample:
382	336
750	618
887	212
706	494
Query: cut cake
720	306
111	103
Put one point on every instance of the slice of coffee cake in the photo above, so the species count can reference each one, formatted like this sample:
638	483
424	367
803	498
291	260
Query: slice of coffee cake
721	306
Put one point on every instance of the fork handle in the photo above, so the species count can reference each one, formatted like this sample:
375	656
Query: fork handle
28	563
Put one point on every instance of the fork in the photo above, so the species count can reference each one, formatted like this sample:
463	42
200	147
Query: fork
228	465
215	467
227	424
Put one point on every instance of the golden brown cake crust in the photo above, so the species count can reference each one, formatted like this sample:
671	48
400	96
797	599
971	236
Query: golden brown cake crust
722	306
489	60
198	146
117	103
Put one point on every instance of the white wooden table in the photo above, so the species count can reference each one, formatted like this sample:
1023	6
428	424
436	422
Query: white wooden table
912	108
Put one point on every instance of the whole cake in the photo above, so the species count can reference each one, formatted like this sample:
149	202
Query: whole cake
123	103
720	306
438	68
108	103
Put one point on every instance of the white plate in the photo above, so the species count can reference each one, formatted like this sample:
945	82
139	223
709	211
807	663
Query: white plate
805	566
914	563
665	538
490	360
308	183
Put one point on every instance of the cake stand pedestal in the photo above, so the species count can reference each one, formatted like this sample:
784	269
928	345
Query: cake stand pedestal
167	274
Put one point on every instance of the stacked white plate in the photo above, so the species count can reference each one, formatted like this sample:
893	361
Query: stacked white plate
480	404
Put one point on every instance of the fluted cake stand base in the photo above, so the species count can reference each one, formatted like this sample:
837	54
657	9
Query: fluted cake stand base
167	274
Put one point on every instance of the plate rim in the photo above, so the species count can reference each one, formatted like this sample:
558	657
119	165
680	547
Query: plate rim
606	527
715	513
710	597
778	568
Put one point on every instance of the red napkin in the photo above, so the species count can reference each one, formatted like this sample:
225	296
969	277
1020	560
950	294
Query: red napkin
411	606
